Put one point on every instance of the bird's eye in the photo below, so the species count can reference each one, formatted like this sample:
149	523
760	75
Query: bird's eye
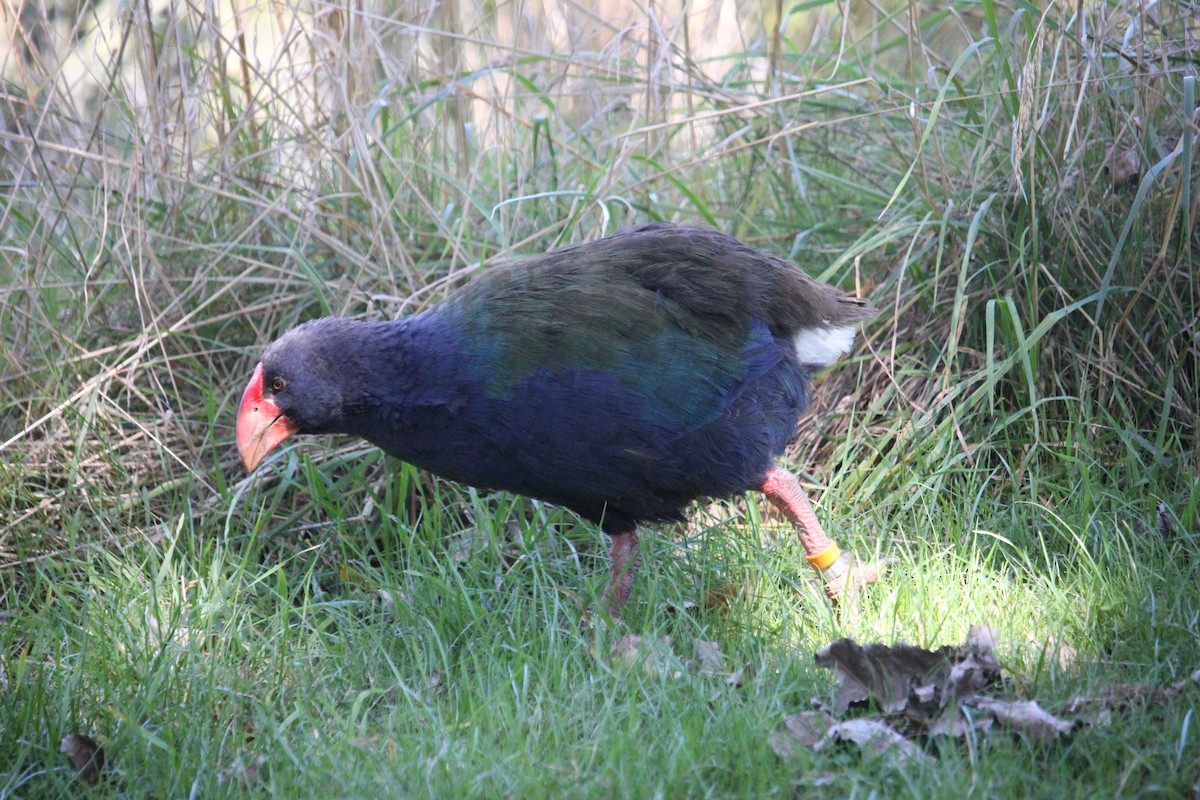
277	384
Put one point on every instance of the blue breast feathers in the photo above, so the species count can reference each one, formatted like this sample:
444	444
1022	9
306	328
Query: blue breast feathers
665	421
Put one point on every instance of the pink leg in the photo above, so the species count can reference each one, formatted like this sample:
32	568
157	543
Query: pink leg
625	558
785	493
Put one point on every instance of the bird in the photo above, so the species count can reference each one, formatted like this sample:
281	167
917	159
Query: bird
622	378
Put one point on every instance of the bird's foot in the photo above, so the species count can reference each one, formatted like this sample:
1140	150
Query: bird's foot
847	576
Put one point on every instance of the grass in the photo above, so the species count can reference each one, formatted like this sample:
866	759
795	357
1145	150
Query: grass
1017	431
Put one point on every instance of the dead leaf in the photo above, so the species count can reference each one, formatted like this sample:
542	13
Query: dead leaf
708	659
179	634
1062	654
875	737
625	650
1025	717
737	679
1123	165
1183	684
880	673
1066	656
86	757
970	673
928	695
958	722
1163	518
654	655
1098	709
932	693
894	677
683	607
981	639
722	596
805	730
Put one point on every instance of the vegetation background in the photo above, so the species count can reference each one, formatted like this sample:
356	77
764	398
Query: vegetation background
1014	183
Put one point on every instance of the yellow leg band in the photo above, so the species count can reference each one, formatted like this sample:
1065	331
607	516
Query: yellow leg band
825	559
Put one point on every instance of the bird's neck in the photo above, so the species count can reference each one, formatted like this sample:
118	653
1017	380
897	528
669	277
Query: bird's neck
402	368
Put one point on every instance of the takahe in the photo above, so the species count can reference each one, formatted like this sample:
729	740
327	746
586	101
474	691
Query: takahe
622	378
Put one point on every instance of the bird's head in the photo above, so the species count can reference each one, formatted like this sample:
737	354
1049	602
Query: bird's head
298	387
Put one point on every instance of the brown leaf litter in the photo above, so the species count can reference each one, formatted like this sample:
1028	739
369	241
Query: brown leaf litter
85	755
656	658
918	694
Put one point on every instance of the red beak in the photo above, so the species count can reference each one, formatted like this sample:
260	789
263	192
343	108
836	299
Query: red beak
261	426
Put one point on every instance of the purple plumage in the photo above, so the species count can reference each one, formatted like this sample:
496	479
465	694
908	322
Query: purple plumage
622	378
